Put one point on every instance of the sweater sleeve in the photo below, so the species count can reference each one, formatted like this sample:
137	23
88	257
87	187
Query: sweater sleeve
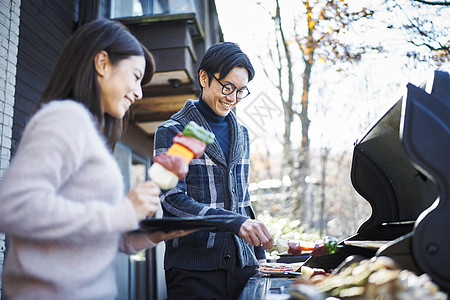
52	149
133	242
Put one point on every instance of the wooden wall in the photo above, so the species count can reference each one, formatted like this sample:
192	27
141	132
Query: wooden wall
44	27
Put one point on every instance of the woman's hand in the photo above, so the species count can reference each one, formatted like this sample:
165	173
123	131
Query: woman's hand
159	236
145	199
256	234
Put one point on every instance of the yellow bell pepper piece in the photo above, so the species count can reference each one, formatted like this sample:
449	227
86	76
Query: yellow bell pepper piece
185	153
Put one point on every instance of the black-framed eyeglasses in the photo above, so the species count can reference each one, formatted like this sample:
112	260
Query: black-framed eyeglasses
229	88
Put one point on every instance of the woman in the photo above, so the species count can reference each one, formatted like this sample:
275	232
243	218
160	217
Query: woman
62	200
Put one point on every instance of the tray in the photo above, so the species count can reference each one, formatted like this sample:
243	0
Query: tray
288	258
280	269
206	223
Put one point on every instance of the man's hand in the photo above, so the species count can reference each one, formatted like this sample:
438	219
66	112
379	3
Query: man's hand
256	234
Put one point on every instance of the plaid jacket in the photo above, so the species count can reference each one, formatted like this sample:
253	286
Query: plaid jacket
212	187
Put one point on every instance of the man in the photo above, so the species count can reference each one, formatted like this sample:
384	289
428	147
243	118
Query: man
207	265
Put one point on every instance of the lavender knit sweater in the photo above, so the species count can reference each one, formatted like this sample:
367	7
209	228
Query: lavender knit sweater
62	205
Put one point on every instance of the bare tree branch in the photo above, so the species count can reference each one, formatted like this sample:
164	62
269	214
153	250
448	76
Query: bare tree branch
444	3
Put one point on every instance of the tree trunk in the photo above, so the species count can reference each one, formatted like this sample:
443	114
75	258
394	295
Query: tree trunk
287	104
289	167
303	157
323	184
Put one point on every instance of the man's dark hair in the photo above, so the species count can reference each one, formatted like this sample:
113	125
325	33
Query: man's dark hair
222	58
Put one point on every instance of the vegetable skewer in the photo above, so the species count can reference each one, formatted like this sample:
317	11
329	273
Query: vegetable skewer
172	166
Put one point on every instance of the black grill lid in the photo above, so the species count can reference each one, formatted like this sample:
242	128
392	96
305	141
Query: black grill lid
382	172
401	166
426	138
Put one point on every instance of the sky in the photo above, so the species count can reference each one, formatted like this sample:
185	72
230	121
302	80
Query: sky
342	104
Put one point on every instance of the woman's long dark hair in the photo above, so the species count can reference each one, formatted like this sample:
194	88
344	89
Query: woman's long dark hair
74	75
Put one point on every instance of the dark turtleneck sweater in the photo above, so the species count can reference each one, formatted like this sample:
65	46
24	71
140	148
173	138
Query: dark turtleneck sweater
218	124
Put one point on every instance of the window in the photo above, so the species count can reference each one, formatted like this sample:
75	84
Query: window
136	8
135	273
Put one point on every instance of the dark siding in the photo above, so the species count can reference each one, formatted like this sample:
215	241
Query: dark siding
44	27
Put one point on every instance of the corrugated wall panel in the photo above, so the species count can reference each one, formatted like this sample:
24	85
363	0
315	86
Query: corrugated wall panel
44	27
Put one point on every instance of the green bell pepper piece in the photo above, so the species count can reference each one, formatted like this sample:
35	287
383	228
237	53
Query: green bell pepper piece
198	132
330	244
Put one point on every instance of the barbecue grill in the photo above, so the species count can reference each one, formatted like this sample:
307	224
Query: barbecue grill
401	166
